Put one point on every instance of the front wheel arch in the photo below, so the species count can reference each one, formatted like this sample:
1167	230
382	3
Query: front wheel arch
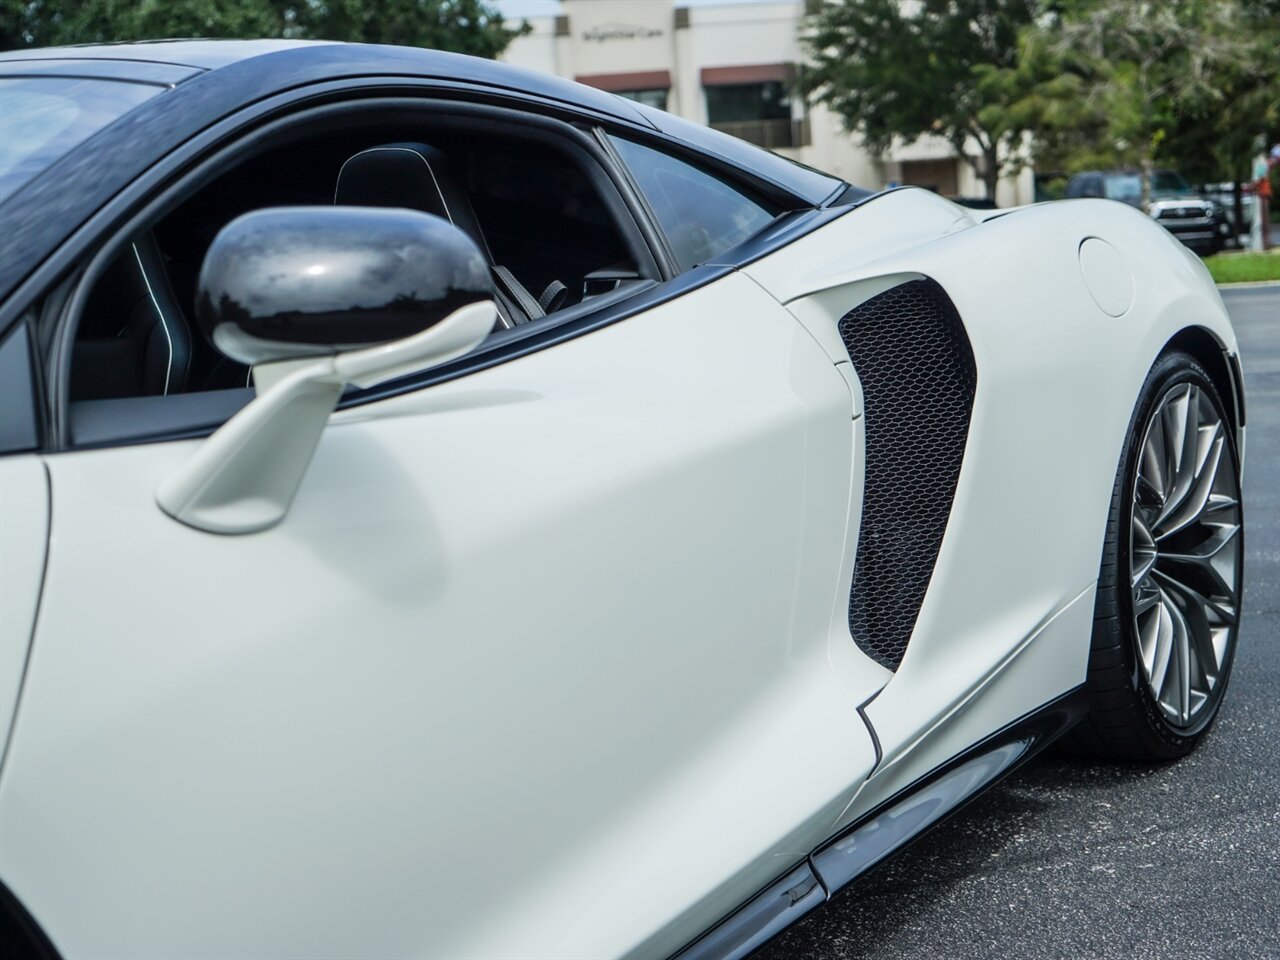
1207	350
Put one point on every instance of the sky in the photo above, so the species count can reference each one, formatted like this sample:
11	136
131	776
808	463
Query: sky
515	9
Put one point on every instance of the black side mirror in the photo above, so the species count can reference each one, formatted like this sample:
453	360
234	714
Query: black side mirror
292	282
353	295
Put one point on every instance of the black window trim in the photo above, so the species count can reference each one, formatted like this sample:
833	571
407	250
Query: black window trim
20	409
698	161
606	176
49	282
227	118
641	202
81	238
123	426
764	191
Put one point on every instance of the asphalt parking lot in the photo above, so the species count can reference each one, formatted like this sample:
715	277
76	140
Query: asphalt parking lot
1072	859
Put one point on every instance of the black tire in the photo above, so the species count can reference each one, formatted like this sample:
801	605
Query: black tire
1124	721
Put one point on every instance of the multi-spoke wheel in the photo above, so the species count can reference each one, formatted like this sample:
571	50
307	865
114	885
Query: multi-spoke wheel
1168	604
1184	553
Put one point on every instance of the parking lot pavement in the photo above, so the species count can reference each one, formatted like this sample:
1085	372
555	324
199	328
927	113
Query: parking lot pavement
1073	859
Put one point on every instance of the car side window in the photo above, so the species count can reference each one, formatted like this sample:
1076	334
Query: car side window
531	208
700	214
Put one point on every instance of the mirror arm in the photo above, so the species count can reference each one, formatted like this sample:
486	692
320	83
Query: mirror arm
455	335
243	478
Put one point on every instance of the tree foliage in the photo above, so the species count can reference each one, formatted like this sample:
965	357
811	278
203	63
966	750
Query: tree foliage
1068	84
464	26
1189	83
946	67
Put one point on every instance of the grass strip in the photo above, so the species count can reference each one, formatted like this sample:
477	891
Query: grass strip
1244	267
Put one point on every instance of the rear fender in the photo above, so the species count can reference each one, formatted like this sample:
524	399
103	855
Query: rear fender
1057	380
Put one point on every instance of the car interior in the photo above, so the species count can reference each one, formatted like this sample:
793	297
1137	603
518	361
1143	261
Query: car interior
530	205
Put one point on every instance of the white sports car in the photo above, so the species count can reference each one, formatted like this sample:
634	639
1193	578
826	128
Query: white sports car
452	512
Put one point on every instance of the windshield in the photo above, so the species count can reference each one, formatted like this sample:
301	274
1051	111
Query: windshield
1169	182
1127	187
43	118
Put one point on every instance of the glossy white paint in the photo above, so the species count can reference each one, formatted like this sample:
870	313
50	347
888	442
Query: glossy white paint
537	664
1055	374
243	478
1106	276
553	659
1013	689
24	533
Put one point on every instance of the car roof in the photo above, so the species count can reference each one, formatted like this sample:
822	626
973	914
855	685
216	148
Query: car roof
280	62
202	54
136	60
211	79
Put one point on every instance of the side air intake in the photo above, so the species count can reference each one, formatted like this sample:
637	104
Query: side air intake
918	377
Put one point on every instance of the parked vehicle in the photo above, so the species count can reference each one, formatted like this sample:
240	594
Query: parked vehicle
1198	222
473	515
1224	196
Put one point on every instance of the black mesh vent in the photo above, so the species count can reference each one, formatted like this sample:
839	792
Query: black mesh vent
918	380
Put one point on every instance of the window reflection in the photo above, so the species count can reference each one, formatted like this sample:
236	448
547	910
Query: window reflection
44	118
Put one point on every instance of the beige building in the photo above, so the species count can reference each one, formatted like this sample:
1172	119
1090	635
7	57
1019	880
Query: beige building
730	65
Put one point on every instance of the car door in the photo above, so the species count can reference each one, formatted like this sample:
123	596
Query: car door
537	664
24	520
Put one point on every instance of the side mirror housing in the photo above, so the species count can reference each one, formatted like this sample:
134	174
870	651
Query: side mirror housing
287	283
316	298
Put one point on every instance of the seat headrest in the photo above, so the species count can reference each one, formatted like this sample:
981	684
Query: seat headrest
394	175
411	175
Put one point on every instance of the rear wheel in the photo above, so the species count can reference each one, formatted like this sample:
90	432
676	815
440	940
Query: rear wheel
1167	612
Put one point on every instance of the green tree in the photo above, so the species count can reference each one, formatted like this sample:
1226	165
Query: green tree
1150	64
1216	140
945	67
465	26
1188	83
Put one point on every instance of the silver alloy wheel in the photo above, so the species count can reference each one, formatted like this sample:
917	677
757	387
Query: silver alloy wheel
1184	554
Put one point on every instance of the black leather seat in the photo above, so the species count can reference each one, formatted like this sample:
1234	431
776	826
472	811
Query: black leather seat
420	177
134	339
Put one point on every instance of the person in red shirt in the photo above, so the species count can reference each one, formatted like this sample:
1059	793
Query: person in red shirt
1262	191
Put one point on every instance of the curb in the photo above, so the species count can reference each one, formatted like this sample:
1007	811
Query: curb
1249	285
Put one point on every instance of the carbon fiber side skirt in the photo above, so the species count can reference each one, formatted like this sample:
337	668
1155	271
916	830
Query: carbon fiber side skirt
885	831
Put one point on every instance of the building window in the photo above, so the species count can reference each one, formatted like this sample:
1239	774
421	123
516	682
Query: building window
755	104
940	176
650	98
648	87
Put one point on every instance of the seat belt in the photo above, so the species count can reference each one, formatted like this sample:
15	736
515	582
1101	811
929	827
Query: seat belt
514	289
